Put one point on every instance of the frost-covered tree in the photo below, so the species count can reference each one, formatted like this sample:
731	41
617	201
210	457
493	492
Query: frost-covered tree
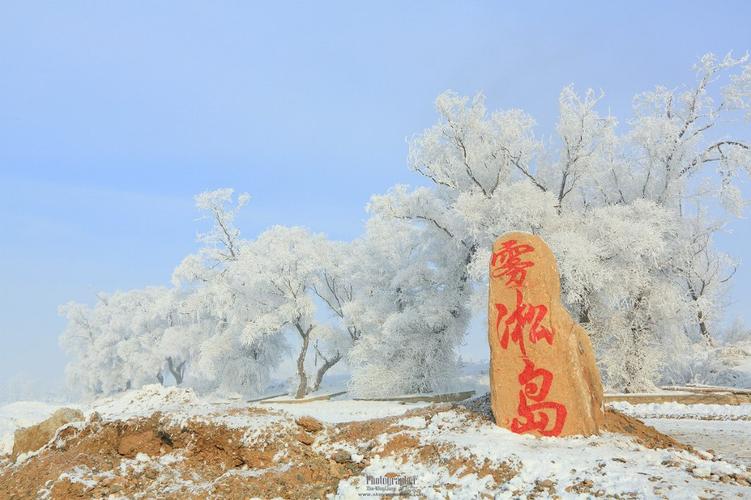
411	320
118	343
614	205
257	292
281	270
334	284
223	239
705	273
224	325
623	207
737	332
223	303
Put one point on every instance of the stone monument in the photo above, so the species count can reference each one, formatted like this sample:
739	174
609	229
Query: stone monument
543	377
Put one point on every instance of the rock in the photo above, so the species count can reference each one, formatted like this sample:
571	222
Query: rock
34	437
543	377
62	436
305	438
341	456
546	483
310	424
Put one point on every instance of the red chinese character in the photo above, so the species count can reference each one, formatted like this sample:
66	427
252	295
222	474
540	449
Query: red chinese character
536	384
507	262
523	315
535	389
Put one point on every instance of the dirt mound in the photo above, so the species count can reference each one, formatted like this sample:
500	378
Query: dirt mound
249	452
155	457
200	459
32	438
645	435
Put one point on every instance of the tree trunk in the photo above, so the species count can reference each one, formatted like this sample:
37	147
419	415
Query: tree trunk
160	377
584	318
327	363
703	328
177	371
302	377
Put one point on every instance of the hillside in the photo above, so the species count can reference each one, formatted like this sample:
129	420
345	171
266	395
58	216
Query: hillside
169	443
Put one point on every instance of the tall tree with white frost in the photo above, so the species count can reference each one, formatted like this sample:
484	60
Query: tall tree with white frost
262	290
120	343
335	286
231	356
280	268
408	304
490	174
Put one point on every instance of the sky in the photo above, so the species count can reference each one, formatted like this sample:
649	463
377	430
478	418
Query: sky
113	115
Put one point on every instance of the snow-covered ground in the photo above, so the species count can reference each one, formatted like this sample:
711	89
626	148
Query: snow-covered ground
567	467
730	440
682	411
723	429
183	404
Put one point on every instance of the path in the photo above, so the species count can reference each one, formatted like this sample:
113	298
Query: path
730	439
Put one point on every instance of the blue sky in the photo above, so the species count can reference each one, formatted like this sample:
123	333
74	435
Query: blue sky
114	114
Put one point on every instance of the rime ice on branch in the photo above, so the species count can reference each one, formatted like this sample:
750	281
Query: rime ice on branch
543	377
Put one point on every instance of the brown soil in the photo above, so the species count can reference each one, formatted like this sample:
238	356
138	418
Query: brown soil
34	437
310	424
650	437
212	461
208	452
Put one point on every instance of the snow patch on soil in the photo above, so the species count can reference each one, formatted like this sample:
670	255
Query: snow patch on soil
567	467
436	451
147	400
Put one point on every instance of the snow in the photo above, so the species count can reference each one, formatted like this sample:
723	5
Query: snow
725	429
421	480
182	404
147	400
77	476
612	463
730	440
414	422
679	410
